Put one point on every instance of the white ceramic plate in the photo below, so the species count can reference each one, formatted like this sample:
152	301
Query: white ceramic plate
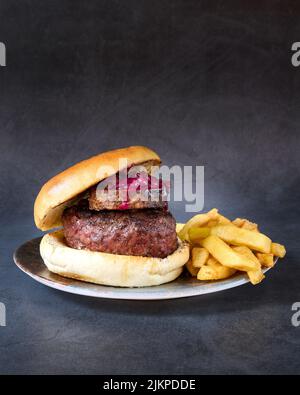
28	259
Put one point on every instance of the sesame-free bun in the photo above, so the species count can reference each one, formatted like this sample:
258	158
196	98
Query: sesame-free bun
110	269
63	189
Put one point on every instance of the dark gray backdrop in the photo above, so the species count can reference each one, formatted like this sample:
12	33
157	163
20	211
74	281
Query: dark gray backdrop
201	82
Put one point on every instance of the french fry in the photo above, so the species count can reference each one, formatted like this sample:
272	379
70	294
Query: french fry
253	227
250	226
220	220
191	268
179	226
223	220
211	223
199	256
278	250
197	221
213	270
233	235
197	234
238	236
239	222
245	224
266	260
255	276
226	255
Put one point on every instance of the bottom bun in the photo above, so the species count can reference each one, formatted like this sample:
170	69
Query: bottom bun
110	269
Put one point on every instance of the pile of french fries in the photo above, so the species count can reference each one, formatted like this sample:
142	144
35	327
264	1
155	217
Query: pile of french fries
220	247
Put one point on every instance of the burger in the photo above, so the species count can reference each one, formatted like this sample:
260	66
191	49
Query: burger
110	221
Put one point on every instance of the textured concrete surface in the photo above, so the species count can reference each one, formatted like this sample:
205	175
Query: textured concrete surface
200	82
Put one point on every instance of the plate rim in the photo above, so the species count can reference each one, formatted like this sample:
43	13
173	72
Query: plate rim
238	280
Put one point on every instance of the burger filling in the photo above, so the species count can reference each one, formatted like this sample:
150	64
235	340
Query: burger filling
123	215
138	192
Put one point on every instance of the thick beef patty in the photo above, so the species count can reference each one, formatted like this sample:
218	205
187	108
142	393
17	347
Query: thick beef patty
144	232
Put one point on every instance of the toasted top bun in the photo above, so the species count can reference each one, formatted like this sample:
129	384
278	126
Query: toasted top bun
63	189
111	269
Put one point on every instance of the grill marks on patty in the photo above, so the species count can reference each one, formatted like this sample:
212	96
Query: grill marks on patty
147	232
